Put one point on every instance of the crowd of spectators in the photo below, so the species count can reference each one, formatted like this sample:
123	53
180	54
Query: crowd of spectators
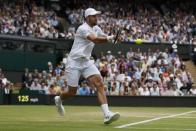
169	22
164	22
52	81
134	74
146	74
28	19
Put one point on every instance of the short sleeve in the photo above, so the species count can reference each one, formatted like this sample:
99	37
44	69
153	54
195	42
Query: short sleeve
84	32
100	32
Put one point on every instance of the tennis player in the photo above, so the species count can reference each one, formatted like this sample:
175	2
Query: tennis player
78	63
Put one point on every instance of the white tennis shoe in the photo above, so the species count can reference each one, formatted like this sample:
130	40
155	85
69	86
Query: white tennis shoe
111	118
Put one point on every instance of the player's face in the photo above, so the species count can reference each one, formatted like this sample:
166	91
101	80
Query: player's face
92	20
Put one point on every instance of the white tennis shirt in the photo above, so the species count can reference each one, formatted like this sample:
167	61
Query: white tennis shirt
82	47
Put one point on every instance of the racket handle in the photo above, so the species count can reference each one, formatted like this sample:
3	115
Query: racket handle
116	38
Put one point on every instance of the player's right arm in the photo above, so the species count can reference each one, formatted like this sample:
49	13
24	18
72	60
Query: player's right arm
100	39
91	36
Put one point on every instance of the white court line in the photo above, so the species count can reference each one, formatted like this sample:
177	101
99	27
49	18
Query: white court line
169	129
154	119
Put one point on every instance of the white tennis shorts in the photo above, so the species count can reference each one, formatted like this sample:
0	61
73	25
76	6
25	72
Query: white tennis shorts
77	67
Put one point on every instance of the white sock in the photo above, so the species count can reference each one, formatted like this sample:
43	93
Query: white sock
105	109
60	101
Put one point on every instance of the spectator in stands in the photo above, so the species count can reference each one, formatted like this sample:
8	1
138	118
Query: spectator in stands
59	81
7	92
52	91
144	91
50	67
45	88
83	89
50	80
193	91
134	91
35	85
176	92
114	90
7	86
178	81
154	90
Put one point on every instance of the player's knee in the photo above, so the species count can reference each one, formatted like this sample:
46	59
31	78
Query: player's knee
99	84
96	81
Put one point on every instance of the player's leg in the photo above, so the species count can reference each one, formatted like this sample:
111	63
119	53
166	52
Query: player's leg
97	82
93	76
73	76
58	99
71	92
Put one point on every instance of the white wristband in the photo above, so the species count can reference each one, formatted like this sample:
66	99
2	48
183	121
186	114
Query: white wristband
110	38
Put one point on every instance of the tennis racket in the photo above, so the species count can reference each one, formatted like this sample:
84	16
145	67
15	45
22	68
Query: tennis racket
117	36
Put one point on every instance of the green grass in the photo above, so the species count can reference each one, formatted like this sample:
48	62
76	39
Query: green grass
85	118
